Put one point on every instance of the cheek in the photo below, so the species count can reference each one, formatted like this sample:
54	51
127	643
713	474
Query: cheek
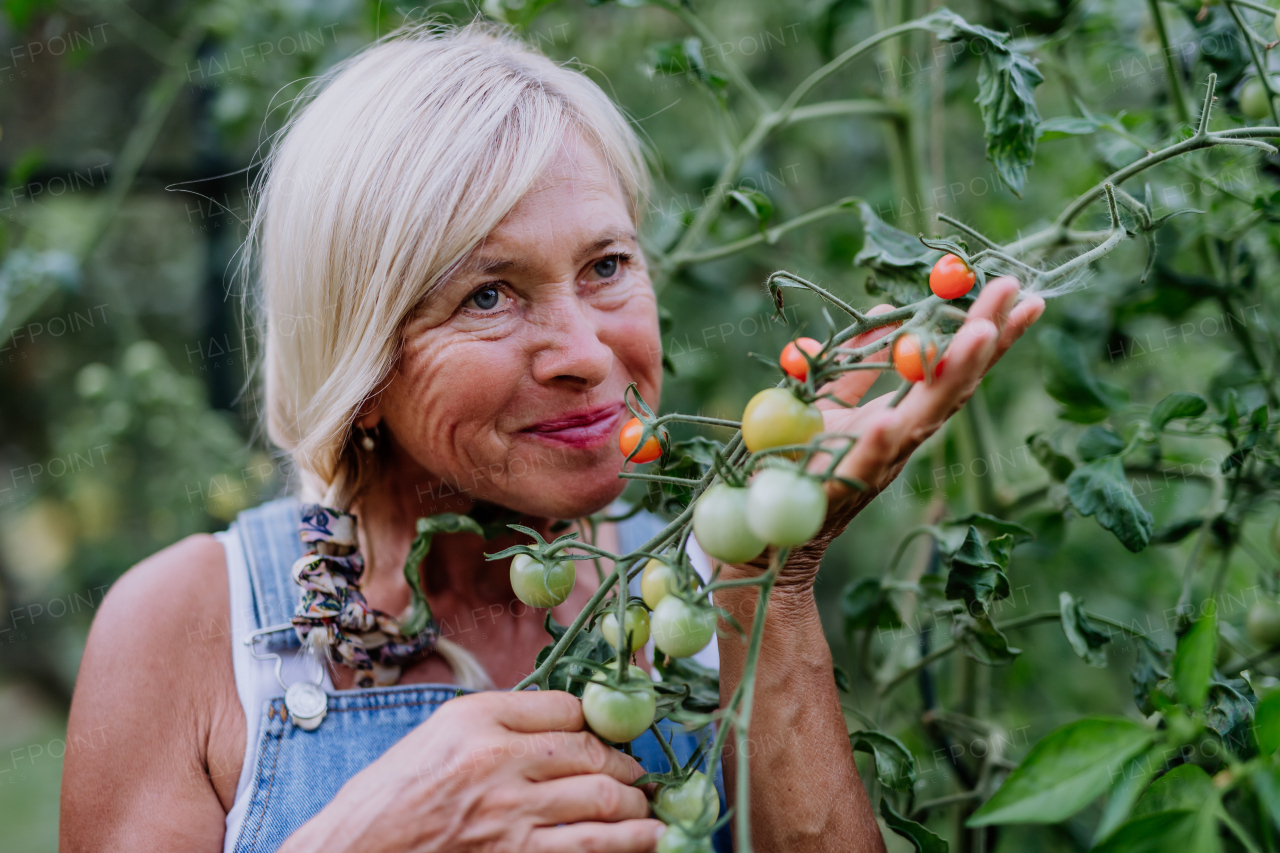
446	396
632	334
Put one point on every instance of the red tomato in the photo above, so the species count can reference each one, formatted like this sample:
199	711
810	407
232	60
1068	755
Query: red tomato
906	357
793	360
951	277
630	437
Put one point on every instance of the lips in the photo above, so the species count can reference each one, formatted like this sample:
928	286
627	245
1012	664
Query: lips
584	428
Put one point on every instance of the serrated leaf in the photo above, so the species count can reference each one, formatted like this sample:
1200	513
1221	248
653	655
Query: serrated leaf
1085	639
895	765
921	838
981	640
1099	442
866	604
1068	769
1061	127
992	524
1179	404
1053	460
1193	661
1007	79
893	255
977	571
1101	489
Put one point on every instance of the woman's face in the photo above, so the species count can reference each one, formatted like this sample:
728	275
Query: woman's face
510	384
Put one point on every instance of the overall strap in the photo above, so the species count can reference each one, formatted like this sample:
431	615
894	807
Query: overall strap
270	538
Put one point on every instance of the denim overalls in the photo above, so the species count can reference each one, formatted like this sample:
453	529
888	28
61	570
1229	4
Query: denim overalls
295	773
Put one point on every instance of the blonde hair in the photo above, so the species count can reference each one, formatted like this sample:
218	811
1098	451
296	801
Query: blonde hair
390	170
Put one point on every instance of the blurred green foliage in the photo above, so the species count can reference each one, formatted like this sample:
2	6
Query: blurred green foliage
131	133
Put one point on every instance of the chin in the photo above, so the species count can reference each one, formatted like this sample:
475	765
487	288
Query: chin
565	494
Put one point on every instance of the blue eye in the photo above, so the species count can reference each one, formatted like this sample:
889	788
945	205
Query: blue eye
606	267
485	298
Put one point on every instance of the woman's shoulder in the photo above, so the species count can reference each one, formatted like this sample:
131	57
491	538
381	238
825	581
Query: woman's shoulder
169	591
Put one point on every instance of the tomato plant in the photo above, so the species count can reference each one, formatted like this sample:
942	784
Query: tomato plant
909	362
636	627
678	840
540	584
951	278
720	525
629	440
785	507
776	417
793	360
619	712
681	629
693	801
657	581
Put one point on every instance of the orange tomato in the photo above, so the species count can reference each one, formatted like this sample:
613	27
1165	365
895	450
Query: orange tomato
793	360
630	437
951	277
906	357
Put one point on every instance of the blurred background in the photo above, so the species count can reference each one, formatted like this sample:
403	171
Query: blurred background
130	133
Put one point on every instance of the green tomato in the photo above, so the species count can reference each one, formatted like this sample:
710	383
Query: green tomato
681	629
1262	623
720	525
785	507
637	625
775	417
677	840
1254	100
685	803
539	585
657	581
616	715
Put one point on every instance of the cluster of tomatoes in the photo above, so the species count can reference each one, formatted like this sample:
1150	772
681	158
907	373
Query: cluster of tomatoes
618	707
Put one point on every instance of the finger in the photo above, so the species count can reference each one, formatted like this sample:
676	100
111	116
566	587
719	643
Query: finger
1023	315
851	386
927	405
555	755
628	836
594	797
996	300
530	710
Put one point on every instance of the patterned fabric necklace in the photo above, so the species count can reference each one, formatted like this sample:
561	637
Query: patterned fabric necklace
333	614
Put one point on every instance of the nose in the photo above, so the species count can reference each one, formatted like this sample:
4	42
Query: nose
568	350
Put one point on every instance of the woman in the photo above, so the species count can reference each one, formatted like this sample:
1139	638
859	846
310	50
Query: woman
455	301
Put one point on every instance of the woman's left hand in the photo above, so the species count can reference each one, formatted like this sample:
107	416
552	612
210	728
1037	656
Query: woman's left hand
887	436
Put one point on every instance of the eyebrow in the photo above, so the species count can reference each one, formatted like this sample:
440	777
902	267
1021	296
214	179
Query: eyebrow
493	266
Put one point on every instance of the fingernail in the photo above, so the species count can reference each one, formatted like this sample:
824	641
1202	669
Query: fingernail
659	831
1036	312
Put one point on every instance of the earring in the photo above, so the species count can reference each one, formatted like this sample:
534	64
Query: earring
366	440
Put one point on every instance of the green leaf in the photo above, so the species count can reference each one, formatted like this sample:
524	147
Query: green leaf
1186	786
1179	404
1099	442
895	765
1267	723
1176	531
756	203
1068	769
893	255
588	645
866	604
1265	781
1160	833
1137	775
1007	80
977	571
1087	640
924	840
1053	460
703	683
1101	489
1229	712
1068	379
843	683
1150	669
992	524
419	615
981	640
1193	661
1061	127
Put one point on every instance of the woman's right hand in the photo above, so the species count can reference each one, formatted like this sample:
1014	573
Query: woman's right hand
491	771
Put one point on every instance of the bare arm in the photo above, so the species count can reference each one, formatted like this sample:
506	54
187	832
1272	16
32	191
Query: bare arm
151	694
